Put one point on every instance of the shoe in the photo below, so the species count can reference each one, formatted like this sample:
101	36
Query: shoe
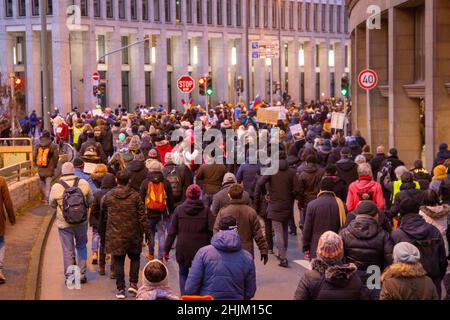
112	275
149	257
133	289
283	263
293	233
270	251
101	270
2	278
300	226
83	279
120	294
108	257
95	257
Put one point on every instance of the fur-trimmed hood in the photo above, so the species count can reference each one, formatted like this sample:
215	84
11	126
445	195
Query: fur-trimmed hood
436	212
404	270
339	274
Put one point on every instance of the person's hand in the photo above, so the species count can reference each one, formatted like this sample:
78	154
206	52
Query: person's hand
306	255
264	258
166	256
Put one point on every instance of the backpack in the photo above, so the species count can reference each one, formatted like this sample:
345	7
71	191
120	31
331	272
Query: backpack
367	193
74	207
175	183
427	249
156	197
91	152
384	175
42	157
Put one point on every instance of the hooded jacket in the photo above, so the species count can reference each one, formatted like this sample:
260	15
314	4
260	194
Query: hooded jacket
326	282
347	170
247	175
364	184
211	176
156	290
192	224
53	158
97	219
107	140
306	184
221	199
438	216
157	177
138	172
223	270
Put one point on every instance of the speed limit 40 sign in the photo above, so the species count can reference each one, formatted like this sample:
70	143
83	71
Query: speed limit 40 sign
368	79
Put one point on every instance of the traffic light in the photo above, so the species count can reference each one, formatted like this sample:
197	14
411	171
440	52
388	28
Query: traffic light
18	82
240	84
209	86
202	86
344	86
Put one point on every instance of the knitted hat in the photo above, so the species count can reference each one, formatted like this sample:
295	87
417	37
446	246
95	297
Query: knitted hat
228	223
366	207
193	192
443	146
229	178
405	252
168	157
409	205
393	152
78	163
67	168
439	171
326	145
330	248
153	154
134	144
155	166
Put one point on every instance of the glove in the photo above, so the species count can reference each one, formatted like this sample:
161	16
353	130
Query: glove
264	258
166	256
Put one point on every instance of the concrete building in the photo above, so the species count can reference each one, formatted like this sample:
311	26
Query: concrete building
193	37
408	45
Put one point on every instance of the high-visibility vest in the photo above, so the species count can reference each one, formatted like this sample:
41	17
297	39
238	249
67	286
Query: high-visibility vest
76	133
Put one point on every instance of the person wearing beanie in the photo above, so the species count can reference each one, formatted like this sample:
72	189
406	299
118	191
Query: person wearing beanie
324	152
78	165
223	269
71	234
221	199
439	174
327	212
92	151
408	189
340	186
428	239
346	167
155	285
192	225
330	278
407	279
421	175
442	155
179	176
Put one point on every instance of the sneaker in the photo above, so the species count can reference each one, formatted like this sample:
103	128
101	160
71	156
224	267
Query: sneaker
283	263
101	270
95	257
83	279
120	294
2	278
133	289
112	275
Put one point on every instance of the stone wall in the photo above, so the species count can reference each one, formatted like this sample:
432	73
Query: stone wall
24	191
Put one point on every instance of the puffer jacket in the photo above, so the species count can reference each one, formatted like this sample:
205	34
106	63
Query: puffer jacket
438	216
157	177
306	184
95	219
56	197
366	244
138	173
404	281
211	176
127	222
53	158
222	200
364	184
192	224
223	270
325	282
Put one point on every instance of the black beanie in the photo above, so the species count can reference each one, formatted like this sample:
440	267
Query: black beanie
327	184
227	223
409	205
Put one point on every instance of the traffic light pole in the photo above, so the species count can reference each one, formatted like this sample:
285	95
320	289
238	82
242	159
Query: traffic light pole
44	66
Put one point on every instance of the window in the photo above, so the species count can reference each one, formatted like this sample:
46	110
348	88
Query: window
145	10
283	14
109	9
209	11
199	11
189	11
49	7
316	17
97	9
101	48
266	13
331	18
133	9
229	20
156	15
345	20
308	16
35	9
8	8
339	8
169	51
324	18
256	13
238	13
219	12
121	9
22	8
300	16
291	15
167	10
84	8
124	42
126	89
274	14
178	11
248	12
148	88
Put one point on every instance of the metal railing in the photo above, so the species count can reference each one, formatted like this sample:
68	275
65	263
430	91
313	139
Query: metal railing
17	166
15	172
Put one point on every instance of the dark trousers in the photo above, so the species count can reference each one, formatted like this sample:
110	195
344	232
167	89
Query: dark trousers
119	267
268	232
183	275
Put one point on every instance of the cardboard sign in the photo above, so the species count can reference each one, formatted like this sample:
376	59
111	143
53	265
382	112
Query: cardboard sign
337	120
297	132
89	167
271	115
97	112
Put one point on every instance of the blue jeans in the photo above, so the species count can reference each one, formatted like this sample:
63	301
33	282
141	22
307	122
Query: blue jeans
2	251
95	239
183	275
74	239
158	225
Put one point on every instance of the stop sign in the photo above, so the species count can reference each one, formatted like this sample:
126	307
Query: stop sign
185	84
95	76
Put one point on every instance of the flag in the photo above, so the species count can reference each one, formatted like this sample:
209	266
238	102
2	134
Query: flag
257	102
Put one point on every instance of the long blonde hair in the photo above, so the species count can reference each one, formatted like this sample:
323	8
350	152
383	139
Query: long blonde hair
99	171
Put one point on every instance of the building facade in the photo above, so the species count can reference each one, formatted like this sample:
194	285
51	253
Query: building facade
193	37
408	45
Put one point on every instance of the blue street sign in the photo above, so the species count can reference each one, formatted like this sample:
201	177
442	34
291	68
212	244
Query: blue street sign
255	55
255	45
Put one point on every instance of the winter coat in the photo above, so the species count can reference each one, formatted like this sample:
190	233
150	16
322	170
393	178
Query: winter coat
405	281
441	156
192	224
157	177
395	162
249	227
325	282
95	219
306	185
126	221
376	162
53	158
82	175
404	194
347	170
6	206
427	238
138	172
361	185
322	215
223	270
366	244
162	149
247	175
221	199
438	216
211	176
281	192
184	174
107	140
56	197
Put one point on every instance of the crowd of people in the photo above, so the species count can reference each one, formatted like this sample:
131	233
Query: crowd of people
135	187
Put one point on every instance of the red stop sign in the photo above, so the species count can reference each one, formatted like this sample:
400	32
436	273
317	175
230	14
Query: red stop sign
185	84
95	76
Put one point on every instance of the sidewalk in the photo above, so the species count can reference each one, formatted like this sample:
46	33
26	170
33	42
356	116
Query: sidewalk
23	249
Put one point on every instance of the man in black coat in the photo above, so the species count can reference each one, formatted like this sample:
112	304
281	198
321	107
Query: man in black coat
377	160
347	169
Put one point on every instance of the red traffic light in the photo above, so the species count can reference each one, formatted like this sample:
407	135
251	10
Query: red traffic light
18	81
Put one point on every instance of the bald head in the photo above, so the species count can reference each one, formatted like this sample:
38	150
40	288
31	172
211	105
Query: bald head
380	149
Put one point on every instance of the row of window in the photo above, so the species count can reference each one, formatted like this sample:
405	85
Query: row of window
310	16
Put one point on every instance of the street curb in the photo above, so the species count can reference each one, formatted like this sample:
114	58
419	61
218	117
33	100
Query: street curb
33	280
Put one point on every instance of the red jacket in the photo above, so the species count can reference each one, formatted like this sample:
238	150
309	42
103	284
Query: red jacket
162	150
361	186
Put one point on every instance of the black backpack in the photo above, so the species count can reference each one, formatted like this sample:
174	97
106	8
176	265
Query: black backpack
175	183
74	207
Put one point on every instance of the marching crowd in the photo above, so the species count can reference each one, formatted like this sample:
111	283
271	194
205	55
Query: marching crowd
135	188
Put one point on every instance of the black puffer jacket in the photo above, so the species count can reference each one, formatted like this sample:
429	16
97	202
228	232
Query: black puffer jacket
405	193
306	185
366	244
138	172
107	140
325	282
97	218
